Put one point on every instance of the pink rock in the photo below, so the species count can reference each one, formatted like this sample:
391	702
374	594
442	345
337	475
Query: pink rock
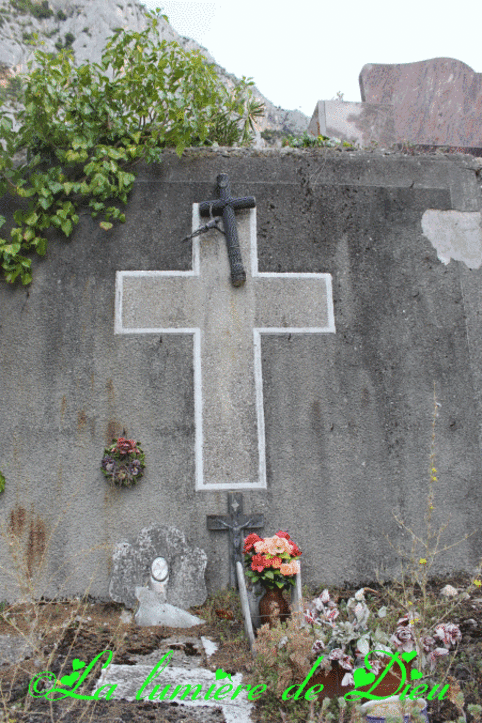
435	102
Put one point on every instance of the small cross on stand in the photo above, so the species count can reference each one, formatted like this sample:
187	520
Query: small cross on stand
226	206
235	521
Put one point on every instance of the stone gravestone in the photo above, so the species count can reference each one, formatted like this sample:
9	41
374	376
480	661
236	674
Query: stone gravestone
133	561
358	123
435	102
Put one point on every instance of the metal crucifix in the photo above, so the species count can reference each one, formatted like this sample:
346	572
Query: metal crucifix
226	206
235	522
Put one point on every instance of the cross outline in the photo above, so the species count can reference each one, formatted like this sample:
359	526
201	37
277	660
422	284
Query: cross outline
196	334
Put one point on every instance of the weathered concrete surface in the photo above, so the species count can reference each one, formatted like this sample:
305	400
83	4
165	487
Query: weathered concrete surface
347	414
13	649
456	235
129	681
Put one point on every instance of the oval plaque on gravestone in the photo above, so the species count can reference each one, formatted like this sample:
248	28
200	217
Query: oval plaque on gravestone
132	563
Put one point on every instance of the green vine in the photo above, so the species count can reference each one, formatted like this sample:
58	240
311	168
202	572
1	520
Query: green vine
83	130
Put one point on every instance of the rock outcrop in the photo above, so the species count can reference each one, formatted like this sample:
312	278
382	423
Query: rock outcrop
84	26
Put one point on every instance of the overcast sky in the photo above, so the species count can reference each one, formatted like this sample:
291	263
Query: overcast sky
302	52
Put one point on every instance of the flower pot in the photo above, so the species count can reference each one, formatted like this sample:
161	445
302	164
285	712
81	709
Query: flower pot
331	680
273	607
377	711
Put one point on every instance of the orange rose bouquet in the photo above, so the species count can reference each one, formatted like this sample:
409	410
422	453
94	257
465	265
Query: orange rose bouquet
272	561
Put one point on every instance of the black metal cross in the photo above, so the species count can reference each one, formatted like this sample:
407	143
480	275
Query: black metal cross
226	206
235	521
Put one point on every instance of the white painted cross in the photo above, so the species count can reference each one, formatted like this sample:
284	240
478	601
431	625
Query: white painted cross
226	324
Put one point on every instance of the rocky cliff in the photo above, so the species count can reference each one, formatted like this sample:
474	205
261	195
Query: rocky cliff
84	26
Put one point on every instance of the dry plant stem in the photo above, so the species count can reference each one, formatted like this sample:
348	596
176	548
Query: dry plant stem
416	565
35	613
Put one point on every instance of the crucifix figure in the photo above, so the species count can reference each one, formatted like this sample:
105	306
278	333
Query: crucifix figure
226	206
226	325
235	522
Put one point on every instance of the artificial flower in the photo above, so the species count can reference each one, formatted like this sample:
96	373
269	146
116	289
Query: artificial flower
283	534
259	562
449	633
249	542
272	560
290	568
403	639
126	446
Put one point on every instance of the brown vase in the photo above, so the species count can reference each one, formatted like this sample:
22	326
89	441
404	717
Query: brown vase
273	607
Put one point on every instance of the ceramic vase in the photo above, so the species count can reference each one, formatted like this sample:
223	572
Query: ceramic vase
273	607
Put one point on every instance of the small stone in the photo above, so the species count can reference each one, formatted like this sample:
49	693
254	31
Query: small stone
449	591
126	617
153	612
209	646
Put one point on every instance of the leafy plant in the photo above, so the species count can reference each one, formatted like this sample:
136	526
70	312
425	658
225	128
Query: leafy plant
306	140
282	659
342	632
84	129
2	482
39	10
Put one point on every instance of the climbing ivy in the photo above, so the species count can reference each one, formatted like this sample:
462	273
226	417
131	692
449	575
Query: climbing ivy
82	131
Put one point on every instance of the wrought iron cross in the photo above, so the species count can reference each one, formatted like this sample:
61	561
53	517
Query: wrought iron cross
235	521
226	206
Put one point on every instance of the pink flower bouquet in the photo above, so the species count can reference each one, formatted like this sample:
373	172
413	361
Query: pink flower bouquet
272	561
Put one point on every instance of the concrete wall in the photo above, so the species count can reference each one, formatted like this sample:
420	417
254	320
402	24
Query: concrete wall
348	414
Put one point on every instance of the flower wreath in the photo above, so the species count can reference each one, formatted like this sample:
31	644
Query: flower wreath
123	462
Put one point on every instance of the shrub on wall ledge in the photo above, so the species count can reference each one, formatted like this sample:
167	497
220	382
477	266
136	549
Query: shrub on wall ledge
83	129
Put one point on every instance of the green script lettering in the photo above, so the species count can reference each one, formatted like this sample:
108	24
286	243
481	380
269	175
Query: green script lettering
196	688
394	658
206	697
440	696
164	662
286	695
239	689
219	695
163	694
251	695
417	692
309	695
404	692
109	693
70	693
